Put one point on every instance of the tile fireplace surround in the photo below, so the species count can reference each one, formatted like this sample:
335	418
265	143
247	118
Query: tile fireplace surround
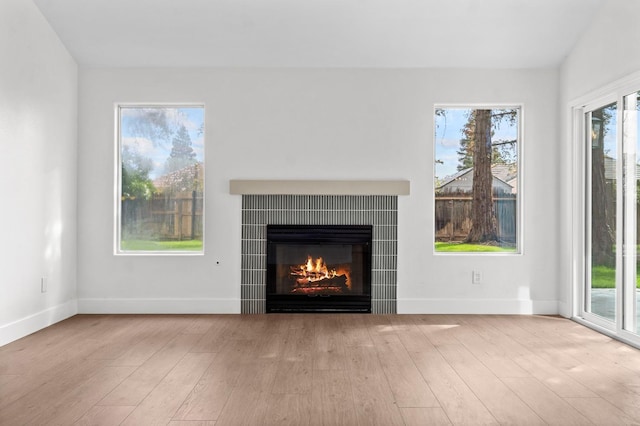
304	207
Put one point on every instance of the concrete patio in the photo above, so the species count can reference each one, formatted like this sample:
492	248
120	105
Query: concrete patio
603	302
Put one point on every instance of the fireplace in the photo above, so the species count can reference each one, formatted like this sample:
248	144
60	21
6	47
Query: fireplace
318	268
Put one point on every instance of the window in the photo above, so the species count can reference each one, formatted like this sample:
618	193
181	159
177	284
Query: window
476	188
160	189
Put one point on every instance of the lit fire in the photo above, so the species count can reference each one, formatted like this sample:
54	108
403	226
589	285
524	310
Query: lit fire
315	271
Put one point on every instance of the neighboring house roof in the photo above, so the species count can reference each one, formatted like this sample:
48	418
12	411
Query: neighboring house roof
504	172
455	177
504	176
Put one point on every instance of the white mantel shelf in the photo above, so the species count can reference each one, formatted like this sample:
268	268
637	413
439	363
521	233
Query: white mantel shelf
319	187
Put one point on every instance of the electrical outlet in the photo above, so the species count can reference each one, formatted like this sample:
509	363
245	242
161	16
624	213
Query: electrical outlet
43	284
476	277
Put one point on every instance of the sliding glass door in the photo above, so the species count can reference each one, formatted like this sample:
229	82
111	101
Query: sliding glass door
603	157
631	236
611	297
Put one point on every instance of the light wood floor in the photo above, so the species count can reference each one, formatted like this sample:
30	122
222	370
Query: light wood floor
318	369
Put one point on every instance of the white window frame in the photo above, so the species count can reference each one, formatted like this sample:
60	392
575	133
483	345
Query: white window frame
520	148
117	229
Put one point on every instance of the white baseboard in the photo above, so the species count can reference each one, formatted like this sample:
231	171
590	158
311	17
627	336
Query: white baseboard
232	306
478	306
564	309
159	306
28	325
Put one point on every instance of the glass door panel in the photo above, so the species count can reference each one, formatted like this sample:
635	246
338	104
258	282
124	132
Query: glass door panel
630	140
602	272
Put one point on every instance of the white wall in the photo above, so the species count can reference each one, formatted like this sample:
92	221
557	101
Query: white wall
606	53
38	141
365	124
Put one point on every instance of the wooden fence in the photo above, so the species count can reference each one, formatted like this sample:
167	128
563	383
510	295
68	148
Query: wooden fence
453	217
176	216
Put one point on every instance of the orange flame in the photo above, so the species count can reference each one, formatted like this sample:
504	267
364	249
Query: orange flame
316	270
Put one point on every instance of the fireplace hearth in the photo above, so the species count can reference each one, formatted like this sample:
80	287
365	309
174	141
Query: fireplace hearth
318	268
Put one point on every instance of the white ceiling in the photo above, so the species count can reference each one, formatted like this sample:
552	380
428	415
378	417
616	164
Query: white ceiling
320	33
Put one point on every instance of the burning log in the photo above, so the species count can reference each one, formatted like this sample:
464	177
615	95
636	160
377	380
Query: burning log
317	274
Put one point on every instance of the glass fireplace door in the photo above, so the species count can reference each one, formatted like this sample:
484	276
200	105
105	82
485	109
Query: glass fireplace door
318	268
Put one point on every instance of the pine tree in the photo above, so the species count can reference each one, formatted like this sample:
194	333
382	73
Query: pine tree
182	153
483	218
478	150
602	234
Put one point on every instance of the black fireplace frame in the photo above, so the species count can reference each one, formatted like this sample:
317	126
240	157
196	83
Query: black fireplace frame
319	234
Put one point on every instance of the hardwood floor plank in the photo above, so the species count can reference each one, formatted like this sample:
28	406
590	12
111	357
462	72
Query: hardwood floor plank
501	366
600	412
501	401
497	342
146	377
318	370
287	409
246	327
31	390
354	330
54	356
162	403
412	338
38	348
298	344
363	358
71	403
328	346
373	399
549	406
211	393
553	378
425	416
407	384
73	406
461	405
495	350
623	397
144	348
105	416
438	329
294	376
332	399
197	324
126	332
213	340
13	387
246	406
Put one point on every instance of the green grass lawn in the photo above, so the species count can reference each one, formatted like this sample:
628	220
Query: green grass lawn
605	277
472	248
143	245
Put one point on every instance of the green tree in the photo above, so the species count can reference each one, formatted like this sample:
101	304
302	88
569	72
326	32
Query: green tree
502	152
483	227
602	202
182	153
479	131
135	175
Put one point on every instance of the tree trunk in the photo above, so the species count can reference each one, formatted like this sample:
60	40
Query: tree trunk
601	203
483	228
